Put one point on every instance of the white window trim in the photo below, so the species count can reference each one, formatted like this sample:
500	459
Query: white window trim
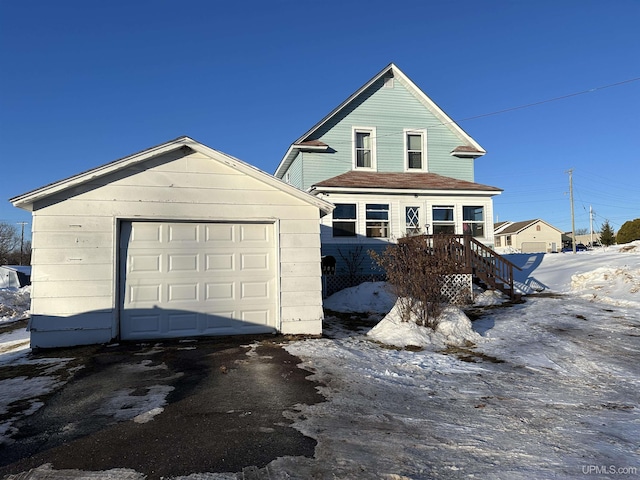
423	133
372	132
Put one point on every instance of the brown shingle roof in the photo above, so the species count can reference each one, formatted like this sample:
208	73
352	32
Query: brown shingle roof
466	149
405	181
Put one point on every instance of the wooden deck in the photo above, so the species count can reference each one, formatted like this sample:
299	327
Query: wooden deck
472	257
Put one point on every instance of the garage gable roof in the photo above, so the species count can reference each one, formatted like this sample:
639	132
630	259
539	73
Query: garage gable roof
26	200
518	227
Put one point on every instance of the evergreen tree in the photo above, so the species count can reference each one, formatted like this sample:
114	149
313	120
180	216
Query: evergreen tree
629	231
607	237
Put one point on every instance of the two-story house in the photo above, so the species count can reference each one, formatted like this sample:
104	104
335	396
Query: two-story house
394	164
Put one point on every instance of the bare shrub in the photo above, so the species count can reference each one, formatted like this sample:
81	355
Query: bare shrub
418	273
353	259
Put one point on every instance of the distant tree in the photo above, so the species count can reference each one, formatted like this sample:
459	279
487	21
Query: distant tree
18	257
629	231
9	241
607	236
581	231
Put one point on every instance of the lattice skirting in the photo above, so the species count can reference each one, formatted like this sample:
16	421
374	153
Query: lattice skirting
334	283
458	288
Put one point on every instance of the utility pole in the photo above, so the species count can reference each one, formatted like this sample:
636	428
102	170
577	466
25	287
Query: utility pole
22	241
591	223
573	221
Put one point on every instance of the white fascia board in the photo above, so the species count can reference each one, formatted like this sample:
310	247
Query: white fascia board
292	153
286	161
437	111
26	200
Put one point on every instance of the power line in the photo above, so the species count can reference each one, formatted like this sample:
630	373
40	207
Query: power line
510	109
555	99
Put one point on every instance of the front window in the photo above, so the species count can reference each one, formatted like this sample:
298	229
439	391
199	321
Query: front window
344	220
498	242
443	220
414	150
364	152
473	221
377	220
412	220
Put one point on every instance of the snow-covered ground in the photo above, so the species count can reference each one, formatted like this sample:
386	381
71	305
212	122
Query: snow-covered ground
544	389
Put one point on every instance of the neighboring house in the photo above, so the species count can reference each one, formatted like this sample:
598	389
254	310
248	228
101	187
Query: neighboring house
15	276
394	164
175	241
529	236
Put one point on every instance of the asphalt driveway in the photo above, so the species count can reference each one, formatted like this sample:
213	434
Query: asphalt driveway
168	409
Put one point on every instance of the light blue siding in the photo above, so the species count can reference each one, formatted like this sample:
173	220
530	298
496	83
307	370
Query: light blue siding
390	111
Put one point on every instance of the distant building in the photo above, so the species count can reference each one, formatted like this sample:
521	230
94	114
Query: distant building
529	236
14	276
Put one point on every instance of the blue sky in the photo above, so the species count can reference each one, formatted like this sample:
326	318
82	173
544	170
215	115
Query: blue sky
83	83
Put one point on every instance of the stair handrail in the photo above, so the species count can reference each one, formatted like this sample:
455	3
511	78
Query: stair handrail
474	256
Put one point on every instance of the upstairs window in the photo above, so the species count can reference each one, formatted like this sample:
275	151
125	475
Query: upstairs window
377	220
344	220
473	221
443	221
414	149
364	153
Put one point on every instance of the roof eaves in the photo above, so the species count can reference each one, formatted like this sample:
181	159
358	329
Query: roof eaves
26	199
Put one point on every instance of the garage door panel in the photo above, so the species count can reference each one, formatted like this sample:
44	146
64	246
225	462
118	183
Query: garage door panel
183	232
145	263
141	324
184	279
182	292
255	290
255	261
221	233
216	292
255	233
182	323
145	293
149	232
220	262
183	263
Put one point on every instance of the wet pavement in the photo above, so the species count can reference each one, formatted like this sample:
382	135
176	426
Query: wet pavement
225	400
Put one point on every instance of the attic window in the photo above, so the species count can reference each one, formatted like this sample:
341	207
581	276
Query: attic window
388	82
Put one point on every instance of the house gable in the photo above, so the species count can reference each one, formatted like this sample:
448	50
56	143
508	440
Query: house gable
390	106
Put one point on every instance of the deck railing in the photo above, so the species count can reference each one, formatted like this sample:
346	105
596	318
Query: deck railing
472	257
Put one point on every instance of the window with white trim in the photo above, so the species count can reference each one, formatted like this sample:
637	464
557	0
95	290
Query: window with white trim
414	148
412	220
344	220
443	220
364	151
377	219
473	221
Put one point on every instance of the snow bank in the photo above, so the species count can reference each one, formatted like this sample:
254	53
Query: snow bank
610	285
14	304
454	328
368	297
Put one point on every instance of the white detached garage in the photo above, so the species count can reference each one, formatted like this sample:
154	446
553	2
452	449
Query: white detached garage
179	240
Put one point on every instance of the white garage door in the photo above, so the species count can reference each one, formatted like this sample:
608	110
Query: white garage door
186	279
533	247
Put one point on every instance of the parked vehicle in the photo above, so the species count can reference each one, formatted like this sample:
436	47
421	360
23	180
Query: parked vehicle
580	247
